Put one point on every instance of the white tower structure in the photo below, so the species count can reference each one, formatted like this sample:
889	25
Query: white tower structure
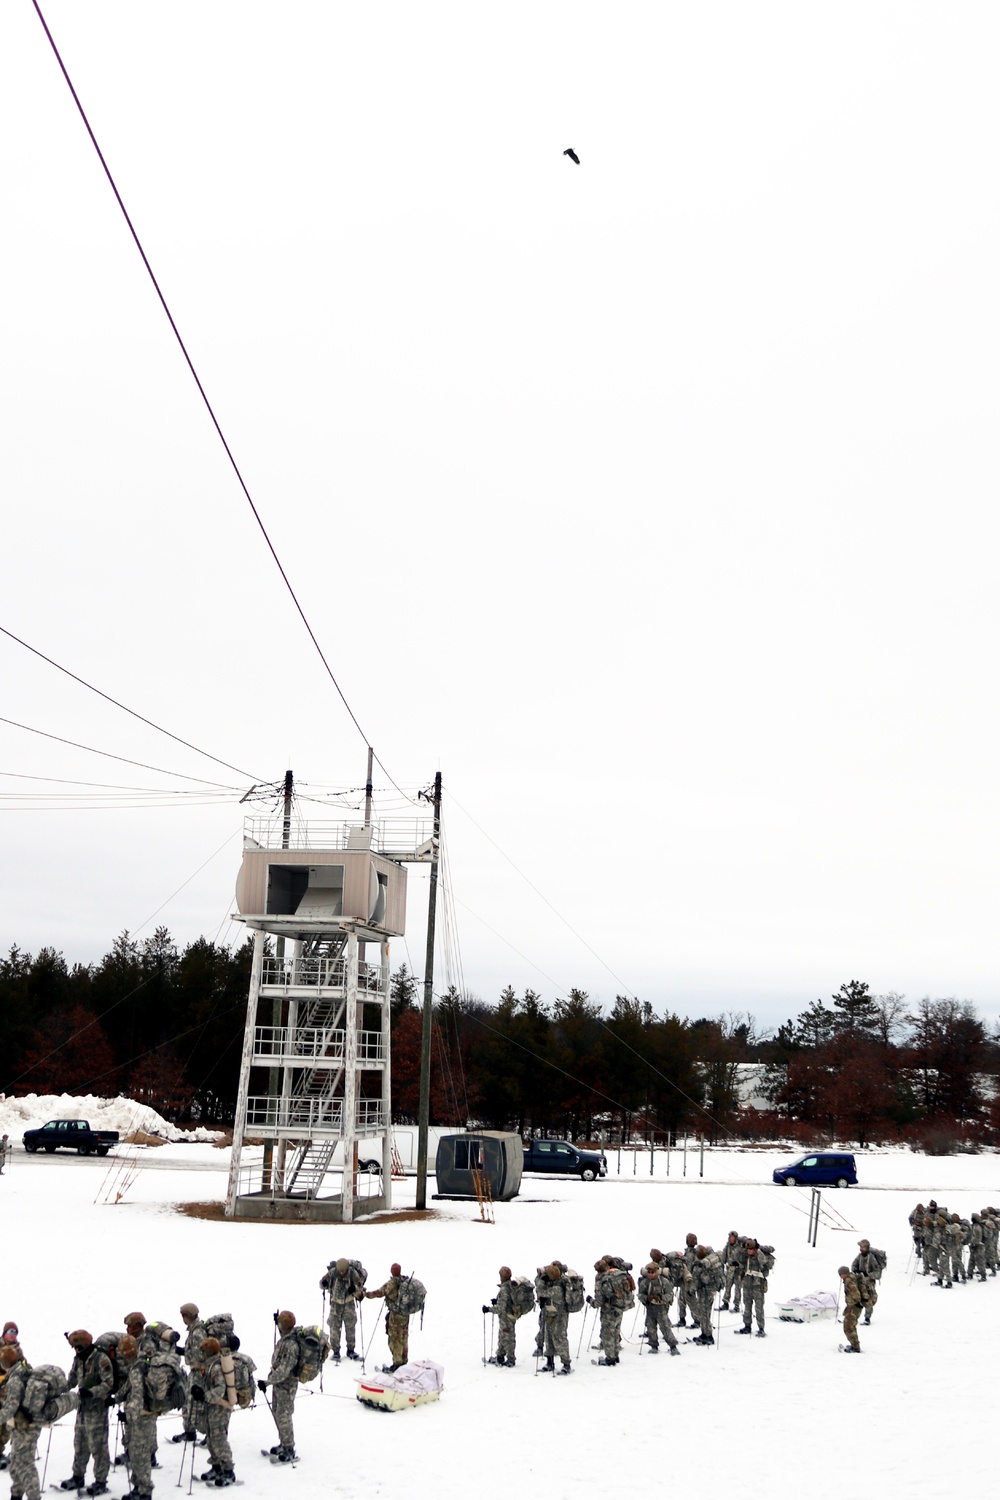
314	1077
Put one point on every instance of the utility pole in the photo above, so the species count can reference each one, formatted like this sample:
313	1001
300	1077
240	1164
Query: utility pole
276	1004
425	1034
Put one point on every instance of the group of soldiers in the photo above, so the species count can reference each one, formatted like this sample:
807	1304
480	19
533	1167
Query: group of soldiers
738	1271
151	1368
954	1249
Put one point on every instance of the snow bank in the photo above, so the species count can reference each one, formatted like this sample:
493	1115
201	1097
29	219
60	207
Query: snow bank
31	1111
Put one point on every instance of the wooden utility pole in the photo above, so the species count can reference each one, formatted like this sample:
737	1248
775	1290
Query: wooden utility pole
276	1004
425	1035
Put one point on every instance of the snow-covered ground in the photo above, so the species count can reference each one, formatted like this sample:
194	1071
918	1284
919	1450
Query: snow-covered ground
784	1416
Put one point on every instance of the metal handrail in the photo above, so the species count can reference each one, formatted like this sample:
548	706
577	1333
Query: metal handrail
322	973
315	1041
390	836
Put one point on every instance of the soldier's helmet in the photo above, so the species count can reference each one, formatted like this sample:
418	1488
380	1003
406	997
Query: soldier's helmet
210	1347
343	1266
701	1252
932	1203
864	1244
127	1347
652	1269
734	1236
751	1242
975	1219
600	1265
955	1219
189	1311
655	1254
135	1320
843	1271
10	1333
691	1239
9	1355
553	1271
395	1269
505	1273
286	1321
79	1339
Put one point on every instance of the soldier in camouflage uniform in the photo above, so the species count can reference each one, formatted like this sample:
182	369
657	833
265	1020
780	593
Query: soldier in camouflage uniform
284	1382
610	1307
866	1268
954	1239
852	1300
931	1247
503	1310
988	1219
760	1260
397	1324
7	1339
346	1286
977	1250
210	1389
943	1248
655	1293
140	1423
556	1314
708	1276
193	1411
733	1258
93	1374
917	1229
685	1292
25	1429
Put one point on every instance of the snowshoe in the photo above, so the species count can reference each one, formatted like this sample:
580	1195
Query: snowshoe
742	1330
284	1456
184	1437
603	1361
73	1484
567	1368
848	1349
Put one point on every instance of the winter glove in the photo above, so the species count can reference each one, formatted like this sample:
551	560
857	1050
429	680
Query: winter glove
590	1301
262	1385
197	1394
485	1308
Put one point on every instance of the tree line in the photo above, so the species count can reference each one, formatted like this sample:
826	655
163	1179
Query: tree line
164	1025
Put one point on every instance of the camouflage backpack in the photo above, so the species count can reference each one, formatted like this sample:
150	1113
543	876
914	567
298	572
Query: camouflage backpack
314	1348
410	1297
164	1373
622	1289
246	1389
108	1344
522	1296
44	1384
219	1326
572	1283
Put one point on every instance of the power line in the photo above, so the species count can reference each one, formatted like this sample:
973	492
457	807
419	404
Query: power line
141	764
202	392
111	786
125	708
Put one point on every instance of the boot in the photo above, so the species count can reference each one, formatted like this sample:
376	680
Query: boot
97	1488
335	1356
549	1364
226	1476
604	1361
761	1334
674	1349
285	1455
352	1354
511	1362
654	1348
72	1484
744	1329
567	1366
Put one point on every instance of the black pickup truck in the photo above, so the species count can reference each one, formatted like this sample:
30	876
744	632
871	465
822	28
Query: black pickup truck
76	1134
560	1156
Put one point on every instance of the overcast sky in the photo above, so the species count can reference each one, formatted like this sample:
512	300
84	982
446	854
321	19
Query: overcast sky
653	500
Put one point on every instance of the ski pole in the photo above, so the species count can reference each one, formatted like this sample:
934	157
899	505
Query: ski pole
45	1466
323	1325
485	1360
364	1357
361	1325
582	1330
191	1475
634	1321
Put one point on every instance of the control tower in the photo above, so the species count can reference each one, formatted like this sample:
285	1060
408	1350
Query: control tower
322	902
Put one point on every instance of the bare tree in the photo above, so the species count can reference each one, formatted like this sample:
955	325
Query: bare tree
891	1017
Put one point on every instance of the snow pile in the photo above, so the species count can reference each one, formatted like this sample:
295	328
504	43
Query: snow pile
31	1111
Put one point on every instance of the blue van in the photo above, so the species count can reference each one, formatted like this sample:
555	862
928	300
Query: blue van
820	1169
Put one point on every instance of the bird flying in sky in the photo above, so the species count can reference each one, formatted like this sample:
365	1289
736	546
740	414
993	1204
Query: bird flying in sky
572	155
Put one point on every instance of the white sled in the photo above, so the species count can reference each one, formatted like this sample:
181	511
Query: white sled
411	1385
818	1307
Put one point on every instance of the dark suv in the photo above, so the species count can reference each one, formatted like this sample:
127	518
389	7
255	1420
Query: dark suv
821	1169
